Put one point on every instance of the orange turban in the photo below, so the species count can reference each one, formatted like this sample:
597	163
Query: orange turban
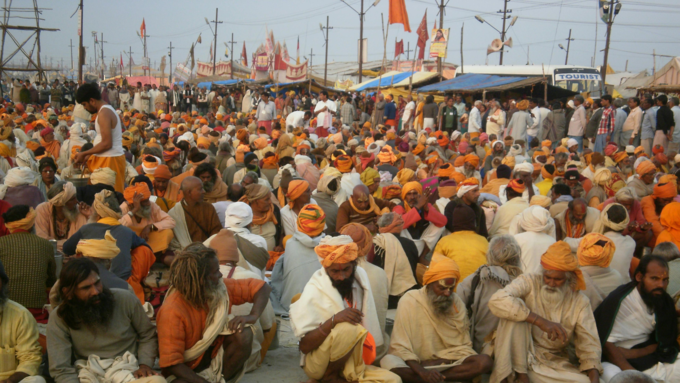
442	140
339	249
32	145
360	235
413	185
441	267
546	144
295	189
260	143
590	253
445	171
405	175
517	185
665	191
472	159
558	257
391	191
645	167
620	156
344	164
386	156
138	188
162	172
203	143
657	149
458	176
25	223
668	178
242	135
546	174
537	153
271	162
639	151
311	220
418	149
459	161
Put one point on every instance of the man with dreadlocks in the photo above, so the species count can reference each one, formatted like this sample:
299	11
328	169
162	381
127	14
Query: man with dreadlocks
104	330
199	339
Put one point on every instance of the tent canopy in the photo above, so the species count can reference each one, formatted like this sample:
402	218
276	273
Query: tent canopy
470	82
388	79
418	78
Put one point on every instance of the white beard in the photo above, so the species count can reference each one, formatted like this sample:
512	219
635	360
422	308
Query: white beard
552	299
219	293
71	215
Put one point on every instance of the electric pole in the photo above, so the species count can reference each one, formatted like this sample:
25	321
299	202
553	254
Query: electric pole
130	61
231	55
569	40
101	44
81	50
71	46
170	56
216	21
94	51
325	67
361	41
408	50
611	12
311	61
505	17
441	26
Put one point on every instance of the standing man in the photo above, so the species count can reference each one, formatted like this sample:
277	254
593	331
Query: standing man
324	112
577	124
475	120
187	99
648	125
108	145
266	112
347	111
113	96
665	123
449	117
631	128
56	94
390	116
674	145
604	132
409	113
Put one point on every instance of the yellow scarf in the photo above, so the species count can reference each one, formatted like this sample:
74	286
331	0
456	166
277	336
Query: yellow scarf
109	221
372	208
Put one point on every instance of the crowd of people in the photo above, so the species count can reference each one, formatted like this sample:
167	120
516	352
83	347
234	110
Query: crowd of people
153	234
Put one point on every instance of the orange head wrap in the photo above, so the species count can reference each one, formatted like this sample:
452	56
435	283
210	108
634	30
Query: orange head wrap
203	143
260	143
418	149
386	156
162	172
517	185
138	188
311	220
360	235
391	192
344	164
558	257
25	223
459	177
546	174
441	268
645	167
295	189
336	250
459	161
663	160
442	140
413	185
592	252
242	135
639	151
665	191
620	156
445	171
472	159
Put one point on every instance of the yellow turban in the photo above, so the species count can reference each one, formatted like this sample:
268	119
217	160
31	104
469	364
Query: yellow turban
413	185
540	200
340	249
590	253
100	207
25	223
98	248
138	188
369	175
509	161
64	196
602	176
103	176
473	159
441	267
558	257
405	175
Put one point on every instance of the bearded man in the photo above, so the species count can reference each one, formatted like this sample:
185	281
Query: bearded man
335	316
20	336
497	150
59	217
166	191
576	221
422	222
470	167
145	218
362	208
104	330
468	194
195	219
430	329
199	339
551	301
638	327
643	181
215	189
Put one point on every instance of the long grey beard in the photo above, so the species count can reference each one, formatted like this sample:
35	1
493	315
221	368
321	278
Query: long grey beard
216	293
468	174
144	212
553	298
71	215
442	304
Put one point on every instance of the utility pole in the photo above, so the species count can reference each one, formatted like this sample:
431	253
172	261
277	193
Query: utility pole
81	50
611	13
130	61
441	26
170	56
462	69
311	61
569	40
325	67
505	17
231	56
408	50
71	46
216	21
101	44
361	42
94	51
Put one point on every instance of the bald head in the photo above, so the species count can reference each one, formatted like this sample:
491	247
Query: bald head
360	190
192	189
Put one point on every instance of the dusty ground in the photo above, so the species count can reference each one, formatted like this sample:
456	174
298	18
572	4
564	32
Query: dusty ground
283	364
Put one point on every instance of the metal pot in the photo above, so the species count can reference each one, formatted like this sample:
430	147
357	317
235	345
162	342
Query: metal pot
78	181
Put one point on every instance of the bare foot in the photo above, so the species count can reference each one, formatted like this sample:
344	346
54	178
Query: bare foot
524	378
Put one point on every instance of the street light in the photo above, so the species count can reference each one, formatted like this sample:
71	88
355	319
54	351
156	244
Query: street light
562	47
607	10
501	32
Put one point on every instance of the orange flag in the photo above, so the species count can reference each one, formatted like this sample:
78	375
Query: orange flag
398	14
142	29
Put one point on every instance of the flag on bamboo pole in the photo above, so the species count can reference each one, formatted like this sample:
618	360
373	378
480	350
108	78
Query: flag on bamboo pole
244	55
422	36
199	39
398	14
297	62
142	28
398	48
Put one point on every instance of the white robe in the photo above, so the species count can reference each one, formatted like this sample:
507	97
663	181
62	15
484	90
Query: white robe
533	246
625	247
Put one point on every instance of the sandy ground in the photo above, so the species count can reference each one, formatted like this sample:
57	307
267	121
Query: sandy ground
283	364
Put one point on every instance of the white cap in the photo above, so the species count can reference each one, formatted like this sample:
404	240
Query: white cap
571	142
630	149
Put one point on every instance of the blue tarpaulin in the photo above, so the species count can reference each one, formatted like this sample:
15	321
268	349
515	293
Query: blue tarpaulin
385	81
470	81
208	85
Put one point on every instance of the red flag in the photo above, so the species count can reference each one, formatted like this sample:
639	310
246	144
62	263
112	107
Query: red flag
244	55
423	36
142	29
398	14
121	62
398	48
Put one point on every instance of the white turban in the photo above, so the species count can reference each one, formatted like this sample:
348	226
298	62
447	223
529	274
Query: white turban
64	196
431	141
676	158
571	142
77	129
352	142
603	222
373	148
535	219
497	142
92	134
103	176
19	176
515	150
27	159
238	215
301	159
411	136
454	135
630	149
524	167
464	189
570	104
188	137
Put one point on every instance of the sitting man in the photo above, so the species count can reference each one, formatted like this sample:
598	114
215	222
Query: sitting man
613	222
551	301
463	245
534	231
167	192
422	222
298	263
299	195
195	219
595	253
503	173
431	329
17	189
145	218
577	221
643	180
638	325
362	208
653	204
20	339
215	189
264	216
28	259
397	255
94	321
503	266
468	194
560	194
509	210
59	218
336	319
199	339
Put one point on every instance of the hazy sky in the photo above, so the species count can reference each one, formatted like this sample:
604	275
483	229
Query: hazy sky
642	26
